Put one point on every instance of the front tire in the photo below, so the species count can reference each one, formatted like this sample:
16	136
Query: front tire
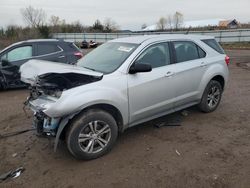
211	97
91	135
1	84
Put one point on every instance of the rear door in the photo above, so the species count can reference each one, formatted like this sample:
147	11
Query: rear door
190	66
49	51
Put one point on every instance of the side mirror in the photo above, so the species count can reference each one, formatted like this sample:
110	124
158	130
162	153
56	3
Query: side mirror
5	62
140	67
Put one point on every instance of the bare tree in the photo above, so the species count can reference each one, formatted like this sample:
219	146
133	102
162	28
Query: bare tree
169	22
77	26
177	20
143	26
110	25
97	26
33	17
54	20
161	24
56	24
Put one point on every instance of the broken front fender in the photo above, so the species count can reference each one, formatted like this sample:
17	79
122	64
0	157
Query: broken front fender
42	103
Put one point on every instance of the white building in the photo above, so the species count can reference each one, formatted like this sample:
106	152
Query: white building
193	24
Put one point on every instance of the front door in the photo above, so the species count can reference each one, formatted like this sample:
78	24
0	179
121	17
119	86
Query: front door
16	57
152	93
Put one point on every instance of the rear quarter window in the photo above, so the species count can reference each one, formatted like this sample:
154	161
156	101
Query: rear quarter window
201	52
214	44
43	49
73	47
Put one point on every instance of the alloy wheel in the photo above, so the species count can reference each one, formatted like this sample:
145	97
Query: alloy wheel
94	137
213	97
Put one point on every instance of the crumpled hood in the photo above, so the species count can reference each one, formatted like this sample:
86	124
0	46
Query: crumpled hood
33	68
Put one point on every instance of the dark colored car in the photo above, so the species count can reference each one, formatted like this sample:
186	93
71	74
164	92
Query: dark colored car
15	55
91	44
84	44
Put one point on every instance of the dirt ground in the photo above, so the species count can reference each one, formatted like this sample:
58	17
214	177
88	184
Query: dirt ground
207	150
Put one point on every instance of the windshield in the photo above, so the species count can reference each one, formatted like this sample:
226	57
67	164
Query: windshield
107	57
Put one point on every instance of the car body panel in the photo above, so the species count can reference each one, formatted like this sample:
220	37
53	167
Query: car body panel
214	68
143	86
187	77
138	97
111	90
33	68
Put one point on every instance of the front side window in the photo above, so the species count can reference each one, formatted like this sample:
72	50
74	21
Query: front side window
185	51
157	55
19	53
107	57
43	49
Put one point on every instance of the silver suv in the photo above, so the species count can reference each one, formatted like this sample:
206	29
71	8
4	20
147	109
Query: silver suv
122	83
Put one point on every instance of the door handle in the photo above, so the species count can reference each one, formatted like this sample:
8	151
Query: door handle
203	64
62	56
169	74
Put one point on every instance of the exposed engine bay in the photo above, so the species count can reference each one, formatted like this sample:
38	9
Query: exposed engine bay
53	84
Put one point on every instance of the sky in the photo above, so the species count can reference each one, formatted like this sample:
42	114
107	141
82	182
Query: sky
128	14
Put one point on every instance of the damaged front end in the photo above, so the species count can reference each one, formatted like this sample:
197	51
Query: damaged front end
45	93
46	89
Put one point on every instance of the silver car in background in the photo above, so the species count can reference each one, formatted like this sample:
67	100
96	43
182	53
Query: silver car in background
122	83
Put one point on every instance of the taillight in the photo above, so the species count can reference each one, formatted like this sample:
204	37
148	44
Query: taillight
227	60
78	54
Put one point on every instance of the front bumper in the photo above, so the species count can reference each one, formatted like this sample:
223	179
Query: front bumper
44	124
40	104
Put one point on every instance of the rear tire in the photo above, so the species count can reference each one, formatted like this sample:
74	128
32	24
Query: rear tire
92	134
211	97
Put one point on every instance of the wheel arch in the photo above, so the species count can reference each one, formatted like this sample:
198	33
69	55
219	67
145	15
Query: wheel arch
112	110
206	79
218	72
220	79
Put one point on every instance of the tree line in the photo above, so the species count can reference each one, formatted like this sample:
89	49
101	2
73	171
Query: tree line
38	26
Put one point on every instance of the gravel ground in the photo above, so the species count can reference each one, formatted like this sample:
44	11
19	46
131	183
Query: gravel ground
207	150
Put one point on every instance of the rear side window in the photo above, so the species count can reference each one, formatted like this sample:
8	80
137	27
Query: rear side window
186	51
43	49
214	44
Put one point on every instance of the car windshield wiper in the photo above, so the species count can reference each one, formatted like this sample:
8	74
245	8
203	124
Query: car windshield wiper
90	69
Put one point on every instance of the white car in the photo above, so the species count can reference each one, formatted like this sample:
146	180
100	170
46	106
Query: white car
122	83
